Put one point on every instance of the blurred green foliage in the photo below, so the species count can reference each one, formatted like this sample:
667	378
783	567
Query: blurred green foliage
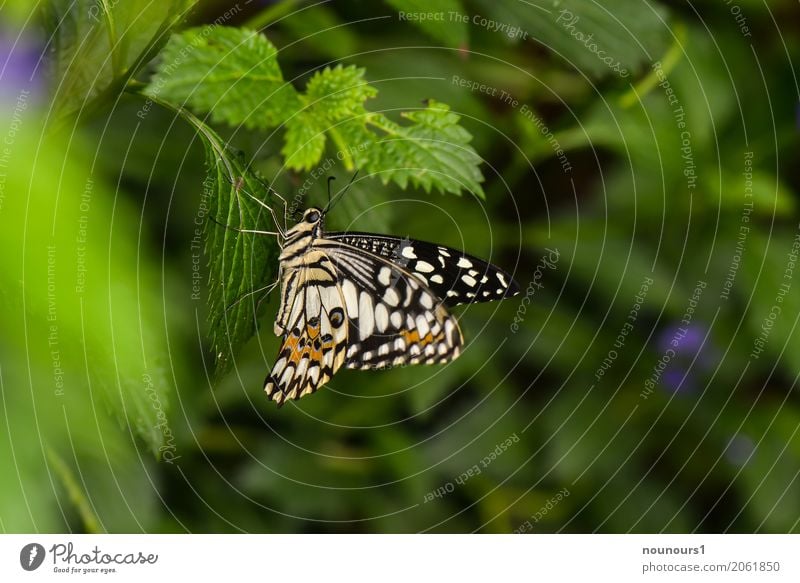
652	372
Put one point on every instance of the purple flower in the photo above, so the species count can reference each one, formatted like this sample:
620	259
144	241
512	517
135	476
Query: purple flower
687	350
684	340
20	67
676	380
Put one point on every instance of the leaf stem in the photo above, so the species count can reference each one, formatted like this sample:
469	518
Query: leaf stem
120	83
668	62
76	495
112	37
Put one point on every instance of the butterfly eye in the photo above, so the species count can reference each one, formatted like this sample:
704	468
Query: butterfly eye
312	217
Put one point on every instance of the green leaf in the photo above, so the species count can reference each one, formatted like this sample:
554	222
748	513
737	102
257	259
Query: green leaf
231	73
338	93
331	95
581	34
431	152
240	264
449	29
95	43
304	141
234	76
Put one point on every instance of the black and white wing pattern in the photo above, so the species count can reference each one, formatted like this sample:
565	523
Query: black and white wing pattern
394	319
453	276
364	301
314	327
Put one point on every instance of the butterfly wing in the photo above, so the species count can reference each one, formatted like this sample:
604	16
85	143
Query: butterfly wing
454	276
394	319
315	335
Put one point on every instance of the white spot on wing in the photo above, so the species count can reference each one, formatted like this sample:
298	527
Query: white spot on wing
397	319
351	298
422	325
469	280
426	300
437	278
366	317
384	276
424	267
408	252
464	262
287	375
381	317
391	297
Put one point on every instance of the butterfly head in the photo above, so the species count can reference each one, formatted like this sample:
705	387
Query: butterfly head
308	228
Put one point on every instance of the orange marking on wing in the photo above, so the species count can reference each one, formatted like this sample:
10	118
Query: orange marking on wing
413	337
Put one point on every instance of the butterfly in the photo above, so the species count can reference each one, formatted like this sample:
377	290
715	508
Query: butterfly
368	301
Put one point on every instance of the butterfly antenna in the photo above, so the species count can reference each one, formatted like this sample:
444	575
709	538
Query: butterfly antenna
338	197
328	206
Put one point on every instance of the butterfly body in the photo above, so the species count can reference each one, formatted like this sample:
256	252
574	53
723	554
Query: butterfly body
368	301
